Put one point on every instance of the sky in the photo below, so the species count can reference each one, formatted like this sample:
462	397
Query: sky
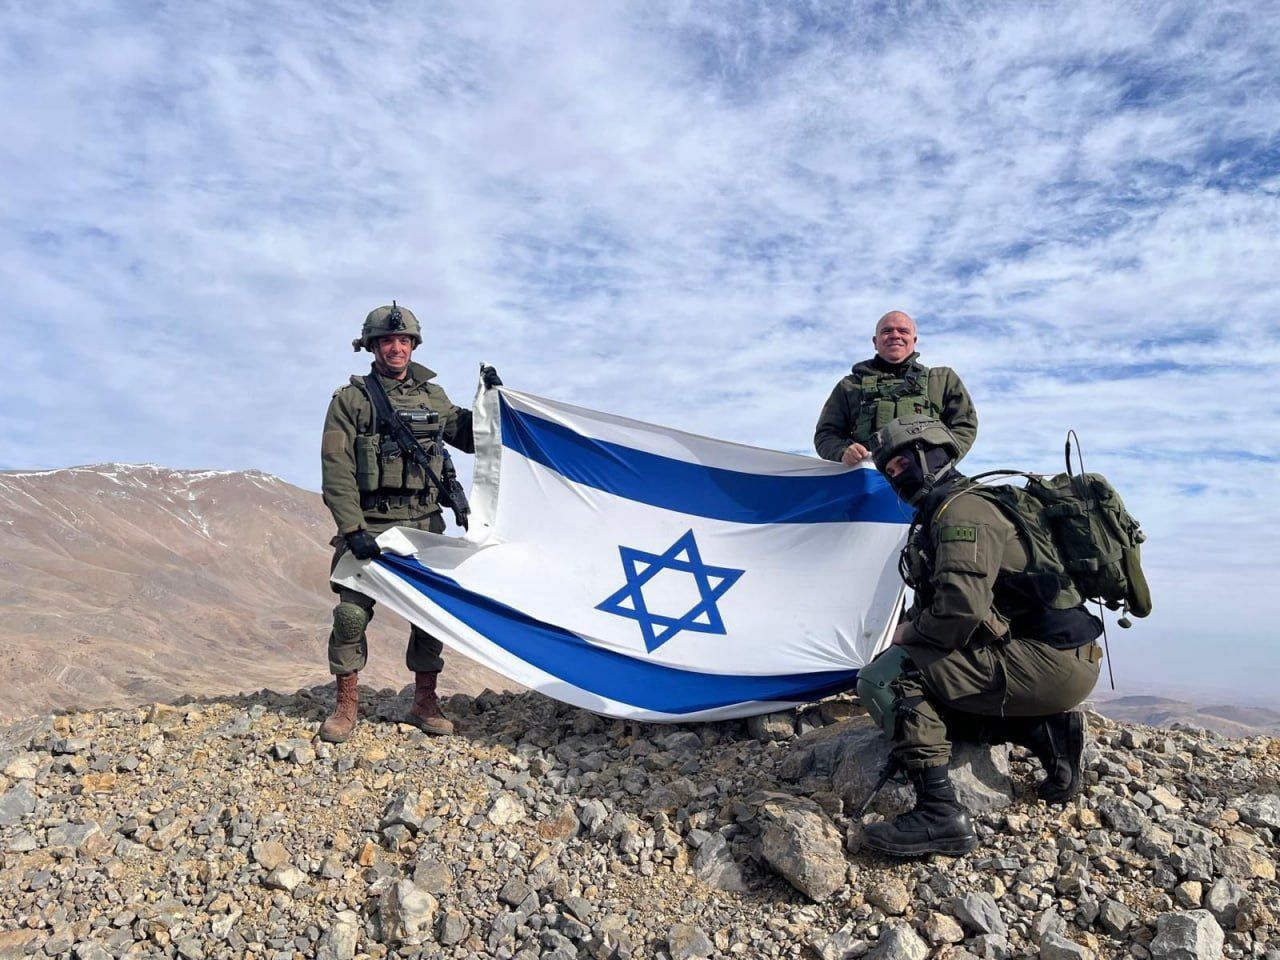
688	213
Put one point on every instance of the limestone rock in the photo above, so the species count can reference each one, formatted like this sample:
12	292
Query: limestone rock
407	914
1194	935
899	943
685	942
803	846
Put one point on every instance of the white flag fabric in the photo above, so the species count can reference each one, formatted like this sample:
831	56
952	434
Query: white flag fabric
646	573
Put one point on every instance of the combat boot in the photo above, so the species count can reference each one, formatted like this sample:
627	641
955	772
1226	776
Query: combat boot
425	714
937	824
338	727
1058	743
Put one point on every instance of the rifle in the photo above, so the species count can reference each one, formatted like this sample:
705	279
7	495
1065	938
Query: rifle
449	490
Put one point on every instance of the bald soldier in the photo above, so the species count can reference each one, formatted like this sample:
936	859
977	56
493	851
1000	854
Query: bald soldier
893	383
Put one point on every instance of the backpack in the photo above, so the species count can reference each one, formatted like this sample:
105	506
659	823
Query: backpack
1076	526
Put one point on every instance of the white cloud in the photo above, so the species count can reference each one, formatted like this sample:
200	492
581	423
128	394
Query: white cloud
690	213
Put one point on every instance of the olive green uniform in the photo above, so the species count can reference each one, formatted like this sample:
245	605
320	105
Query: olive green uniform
367	483
877	391
977	641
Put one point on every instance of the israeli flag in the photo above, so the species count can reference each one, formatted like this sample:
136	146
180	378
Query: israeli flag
650	574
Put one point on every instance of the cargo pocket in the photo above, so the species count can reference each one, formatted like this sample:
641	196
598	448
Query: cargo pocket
367	472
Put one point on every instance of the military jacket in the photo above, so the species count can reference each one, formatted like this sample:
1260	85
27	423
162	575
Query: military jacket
957	557
364	477
871	395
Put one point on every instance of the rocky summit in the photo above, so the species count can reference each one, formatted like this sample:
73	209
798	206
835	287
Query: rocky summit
221	828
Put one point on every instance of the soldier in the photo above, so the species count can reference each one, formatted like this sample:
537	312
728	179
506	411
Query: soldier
991	649
369	485
891	384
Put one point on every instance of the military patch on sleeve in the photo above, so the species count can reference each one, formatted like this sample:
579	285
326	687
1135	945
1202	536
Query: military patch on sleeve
333	441
958	534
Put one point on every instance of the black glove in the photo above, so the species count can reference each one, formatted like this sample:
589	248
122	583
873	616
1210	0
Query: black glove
489	377
363	545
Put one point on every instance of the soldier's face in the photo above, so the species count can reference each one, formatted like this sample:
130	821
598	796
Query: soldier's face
895	466
391	354
895	338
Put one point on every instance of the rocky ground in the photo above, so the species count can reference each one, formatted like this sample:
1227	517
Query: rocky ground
221	829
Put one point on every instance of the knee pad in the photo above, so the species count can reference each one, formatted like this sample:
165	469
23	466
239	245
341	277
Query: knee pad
349	621
875	688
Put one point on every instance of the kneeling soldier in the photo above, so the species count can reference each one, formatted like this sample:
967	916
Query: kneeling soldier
991	649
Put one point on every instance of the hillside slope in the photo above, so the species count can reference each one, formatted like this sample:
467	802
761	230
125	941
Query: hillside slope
127	584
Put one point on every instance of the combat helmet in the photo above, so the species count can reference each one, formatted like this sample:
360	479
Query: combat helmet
385	321
927	442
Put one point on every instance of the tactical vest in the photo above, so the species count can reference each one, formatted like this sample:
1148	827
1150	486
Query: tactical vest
884	397
384	476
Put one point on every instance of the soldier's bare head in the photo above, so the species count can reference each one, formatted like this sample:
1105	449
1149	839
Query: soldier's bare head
895	337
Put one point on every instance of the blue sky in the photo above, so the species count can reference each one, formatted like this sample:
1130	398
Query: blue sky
690	213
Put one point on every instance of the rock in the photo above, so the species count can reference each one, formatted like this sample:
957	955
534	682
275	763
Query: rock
17	804
978	912
1260	810
1253	914
1224	899
561	825
1055	946
940	928
1194	935
802	845
1115	917
1048	921
899	943
772	726
71	838
14	943
24	766
407	914
453	928
339	941
714	865
1246	863
432	876
407	809
90	951
685	942
889	895
1190	893
505	810
980	774
221	926
844	944
1123	816
270	854
284	878
593	815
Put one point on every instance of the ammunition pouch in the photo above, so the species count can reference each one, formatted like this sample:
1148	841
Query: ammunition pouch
382	502
884	398
368	473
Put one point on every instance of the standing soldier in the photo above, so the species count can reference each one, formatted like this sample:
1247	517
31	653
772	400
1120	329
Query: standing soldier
993	649
893	383
371	483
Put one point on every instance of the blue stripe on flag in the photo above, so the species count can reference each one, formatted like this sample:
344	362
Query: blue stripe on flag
697	490
605	673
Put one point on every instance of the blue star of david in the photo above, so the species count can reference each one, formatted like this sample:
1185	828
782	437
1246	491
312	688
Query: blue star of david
640	567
